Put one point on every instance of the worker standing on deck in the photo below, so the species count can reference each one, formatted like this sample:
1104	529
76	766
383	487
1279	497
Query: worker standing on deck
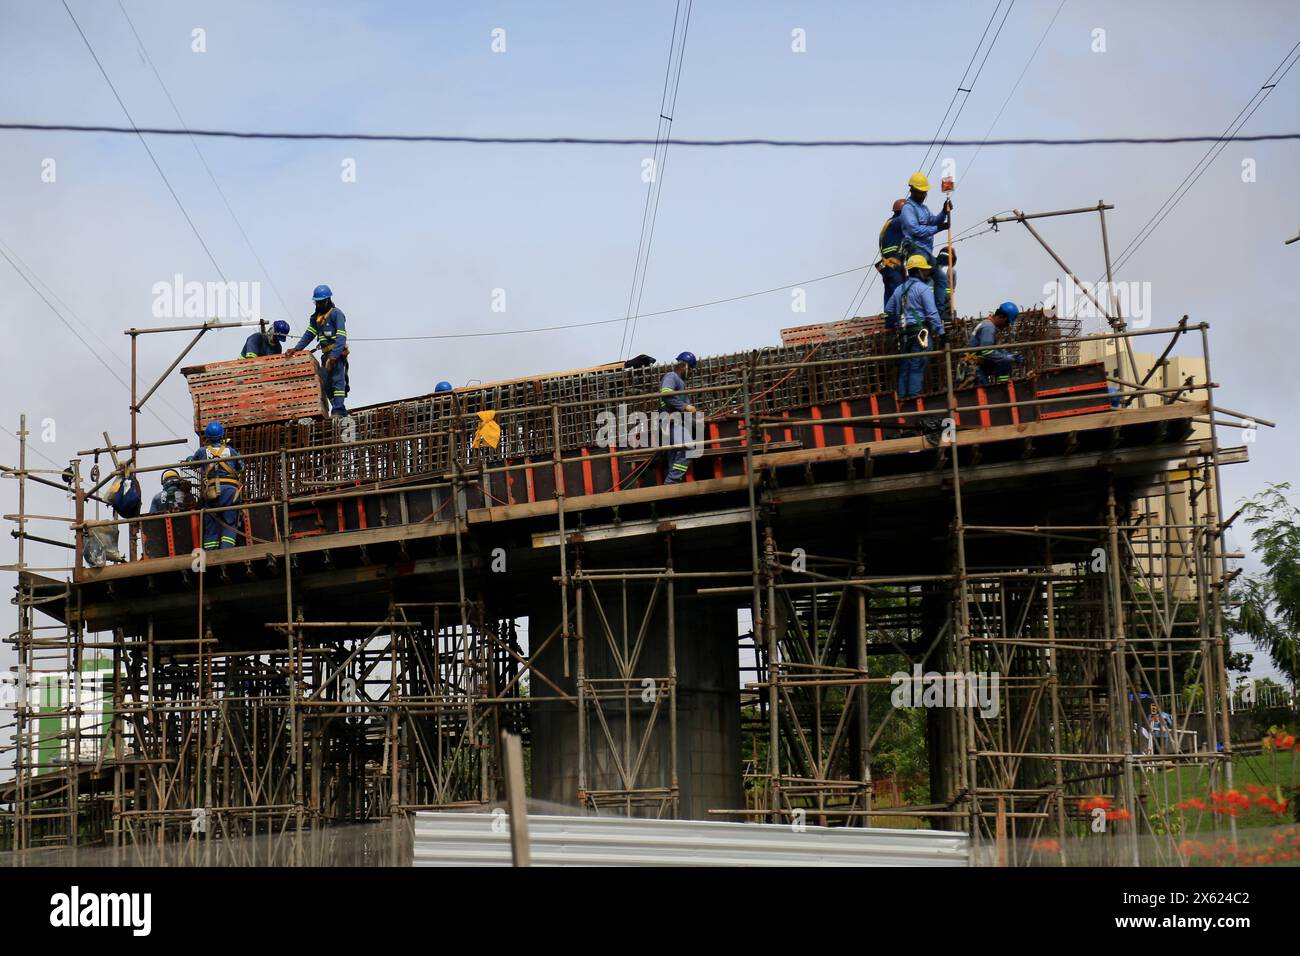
995	365
262	343
911	310
890	265
220	469
673	401
919	226
328	326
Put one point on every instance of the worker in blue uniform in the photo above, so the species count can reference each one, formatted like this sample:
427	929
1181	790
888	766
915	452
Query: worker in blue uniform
220	468
912	312
174	496
673	400
944	280
995	365
919	226
266	342
890	264
328	326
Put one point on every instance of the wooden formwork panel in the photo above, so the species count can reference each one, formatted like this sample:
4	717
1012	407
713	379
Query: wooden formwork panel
820	331
251	391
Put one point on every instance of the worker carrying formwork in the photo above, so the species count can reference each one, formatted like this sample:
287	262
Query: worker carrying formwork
674	402
890	263
220	468
327	326
265	342
994	365
912	312
919	226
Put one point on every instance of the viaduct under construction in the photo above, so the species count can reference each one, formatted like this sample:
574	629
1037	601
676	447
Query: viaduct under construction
725	648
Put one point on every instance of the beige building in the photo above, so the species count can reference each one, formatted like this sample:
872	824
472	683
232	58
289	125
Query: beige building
1165	549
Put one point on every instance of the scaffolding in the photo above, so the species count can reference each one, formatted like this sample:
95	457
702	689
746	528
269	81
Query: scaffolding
357	658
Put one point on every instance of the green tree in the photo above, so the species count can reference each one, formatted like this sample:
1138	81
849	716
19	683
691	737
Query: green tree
1268	604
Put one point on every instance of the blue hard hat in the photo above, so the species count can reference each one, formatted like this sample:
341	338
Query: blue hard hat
213	431
442	387
280	330
321	293
688	358
1010	310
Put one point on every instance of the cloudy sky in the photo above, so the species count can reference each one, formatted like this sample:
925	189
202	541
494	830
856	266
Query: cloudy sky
420	239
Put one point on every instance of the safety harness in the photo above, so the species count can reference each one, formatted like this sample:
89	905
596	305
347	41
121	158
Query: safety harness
910	331
327	336
220	471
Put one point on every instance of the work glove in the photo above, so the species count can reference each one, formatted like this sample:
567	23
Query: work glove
293	351
329	362
947	205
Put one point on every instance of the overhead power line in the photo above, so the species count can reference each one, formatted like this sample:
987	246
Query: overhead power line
1015	86
93	351
641	141
963	87
1211	154
21	266
33	449
1230	134
179	205
586	325
654	189
203	159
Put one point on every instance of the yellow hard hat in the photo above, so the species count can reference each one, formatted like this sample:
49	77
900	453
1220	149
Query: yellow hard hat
917	262
171	474
919	182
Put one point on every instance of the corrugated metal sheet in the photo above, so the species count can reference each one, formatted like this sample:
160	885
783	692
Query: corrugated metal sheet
482	839
250	391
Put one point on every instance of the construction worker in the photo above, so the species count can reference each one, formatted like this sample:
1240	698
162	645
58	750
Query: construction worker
920	225
944	277
266	342
327	324
911	310
174	496
220	469
101	539
673	401
890	265
995	365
